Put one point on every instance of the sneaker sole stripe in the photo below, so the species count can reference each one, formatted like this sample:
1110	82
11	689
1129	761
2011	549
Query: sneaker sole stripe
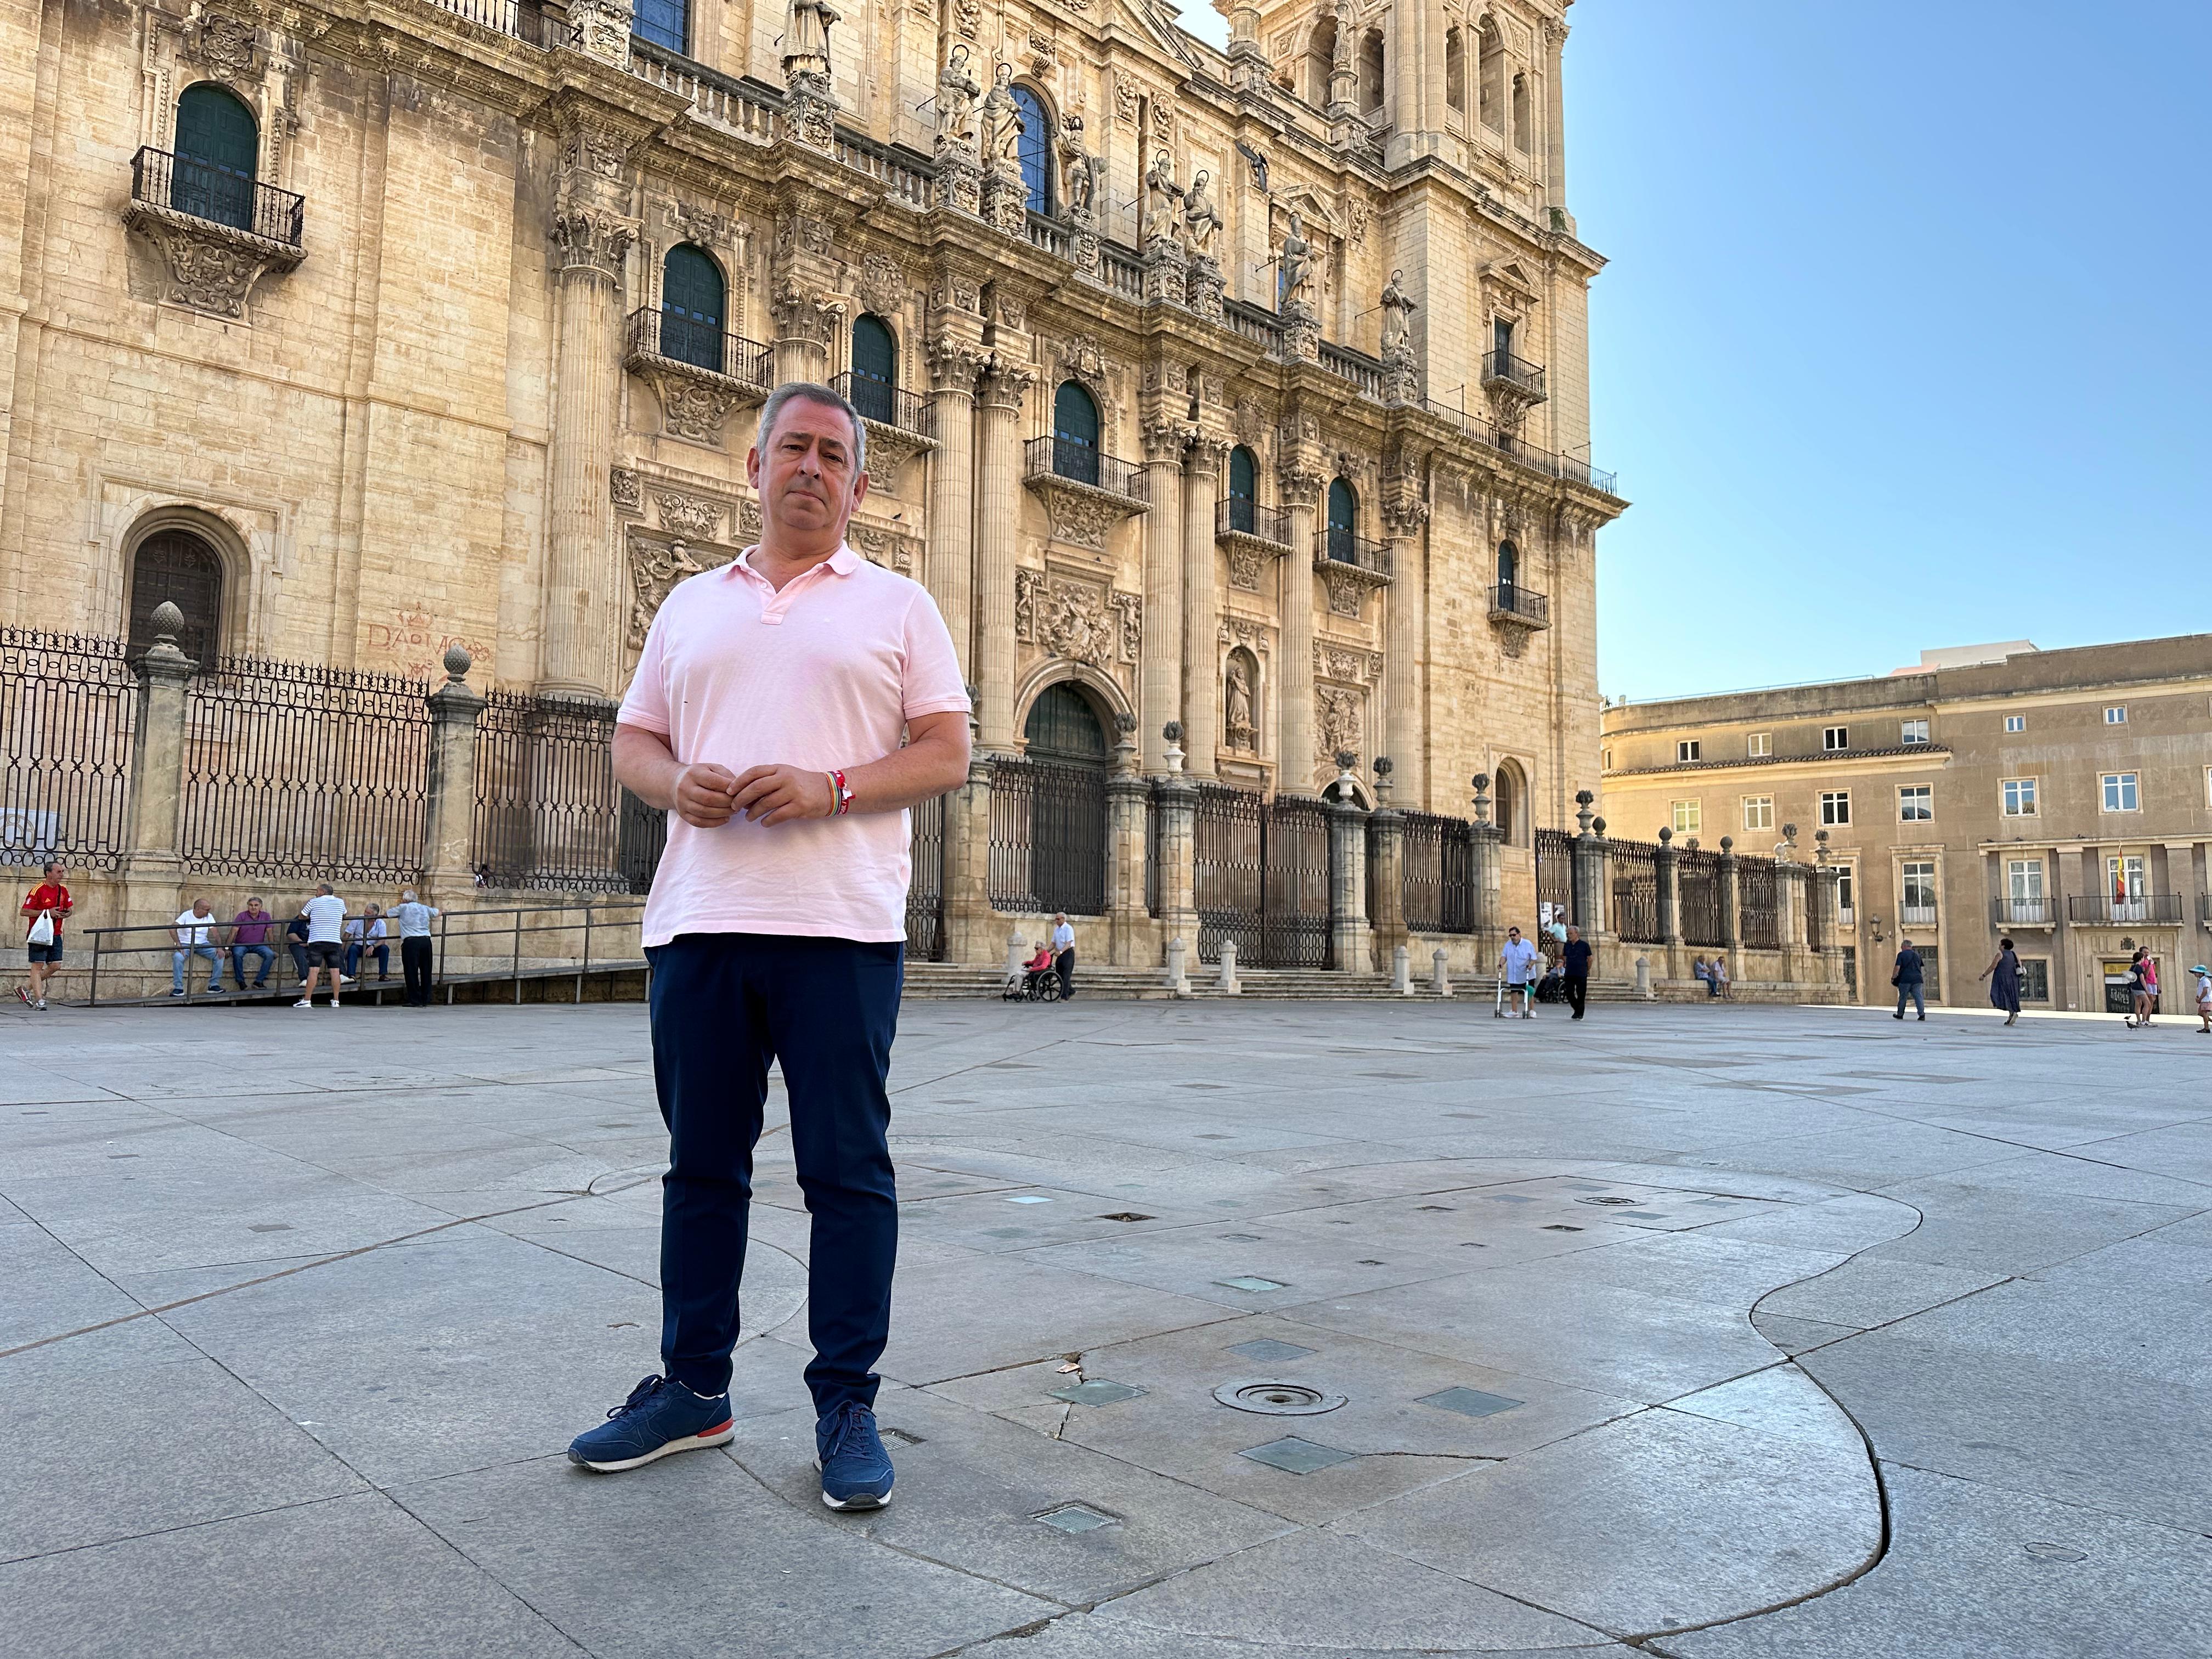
704	1441
858	1501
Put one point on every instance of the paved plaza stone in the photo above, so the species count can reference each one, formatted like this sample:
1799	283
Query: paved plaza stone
1221	1332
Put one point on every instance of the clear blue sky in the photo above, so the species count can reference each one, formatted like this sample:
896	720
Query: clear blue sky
1905	338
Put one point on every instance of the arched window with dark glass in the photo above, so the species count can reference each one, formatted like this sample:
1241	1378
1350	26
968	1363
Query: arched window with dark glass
1511	798
1075	433
1243	495
1067	757
1036	150
1343	521
664	23
1509	573
178	567
1371	72
1320	59
692	296
1454	71
217	148
875	368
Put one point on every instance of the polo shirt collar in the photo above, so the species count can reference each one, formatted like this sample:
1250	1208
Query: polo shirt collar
844	561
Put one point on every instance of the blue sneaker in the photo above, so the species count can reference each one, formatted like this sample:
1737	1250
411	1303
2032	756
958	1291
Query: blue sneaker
856	1470
658	1418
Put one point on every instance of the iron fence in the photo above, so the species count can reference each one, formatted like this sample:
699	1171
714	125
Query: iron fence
1240	515
1260	873
293	769
1698	894
2122	909
1152	852
68	708
1048	837
1758	905
1084	464
1438	882
548	814
1814	893
1337	543
672	336
1294	920
1511	599
881	402
222	196
1503	366
1555	875
1633	868
925	888
640	837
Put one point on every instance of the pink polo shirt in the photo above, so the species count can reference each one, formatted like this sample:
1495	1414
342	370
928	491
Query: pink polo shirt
824	674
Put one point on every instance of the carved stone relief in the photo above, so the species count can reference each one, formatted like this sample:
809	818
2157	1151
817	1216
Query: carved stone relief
626	489
691	518
1338	721
1348	587
1240	689
1354	664
655	568
889	547
1078	621
880	284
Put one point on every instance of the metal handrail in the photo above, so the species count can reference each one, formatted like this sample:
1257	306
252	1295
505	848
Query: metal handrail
2113	911
663	335
1511	599
1051	457
1236	516
1334	545
1503	366
216	195
884	402
2024	913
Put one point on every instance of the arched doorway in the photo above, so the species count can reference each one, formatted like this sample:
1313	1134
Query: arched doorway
1508	574
1243	490
178	567
217	151
1343	521
875	368
692	298
1075	433
1049	830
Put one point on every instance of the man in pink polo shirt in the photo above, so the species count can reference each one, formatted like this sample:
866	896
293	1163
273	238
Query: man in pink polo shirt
767	716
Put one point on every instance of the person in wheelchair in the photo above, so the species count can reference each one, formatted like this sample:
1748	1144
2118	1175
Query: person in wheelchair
1035	970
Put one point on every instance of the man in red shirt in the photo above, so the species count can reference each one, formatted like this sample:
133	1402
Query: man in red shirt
49	898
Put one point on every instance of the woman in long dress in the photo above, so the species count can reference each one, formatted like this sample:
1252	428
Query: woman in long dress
2003	976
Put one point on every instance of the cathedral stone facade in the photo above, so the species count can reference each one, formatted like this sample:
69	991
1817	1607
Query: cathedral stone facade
1245	391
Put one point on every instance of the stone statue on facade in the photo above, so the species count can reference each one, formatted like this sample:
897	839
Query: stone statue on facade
806	39
1239	701
1002	124
1079	175
1201	220
1295	265
957	93
1397	309
1163	200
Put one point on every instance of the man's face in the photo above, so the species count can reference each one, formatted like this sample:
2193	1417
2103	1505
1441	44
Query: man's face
1514	934
57	874
254	907
199	907
805	476
1574	933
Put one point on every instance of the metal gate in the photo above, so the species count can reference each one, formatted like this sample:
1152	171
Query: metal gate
1634	913
1261	877
1294	924
1698	889
1555	875
1758	905
1437	880
924	887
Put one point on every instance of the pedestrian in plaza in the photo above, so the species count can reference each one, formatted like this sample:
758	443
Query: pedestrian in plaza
414	918
366	934
1703	973
2140	991
295	940
1035	970
2003	976
1575	964
194	931
1724	986
249	936
1907	979
324	916
1063	955
1516	966
2203	998
765	717
44	911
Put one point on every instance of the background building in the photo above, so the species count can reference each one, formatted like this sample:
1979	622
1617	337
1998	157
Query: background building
2062	797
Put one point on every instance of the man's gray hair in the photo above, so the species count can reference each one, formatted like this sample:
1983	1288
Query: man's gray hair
322	887
813	391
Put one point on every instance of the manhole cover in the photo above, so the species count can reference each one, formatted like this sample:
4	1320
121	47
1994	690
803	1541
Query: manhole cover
1605	1200
1268	1399
1128	1215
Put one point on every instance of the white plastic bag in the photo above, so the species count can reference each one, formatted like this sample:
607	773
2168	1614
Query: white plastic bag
42	930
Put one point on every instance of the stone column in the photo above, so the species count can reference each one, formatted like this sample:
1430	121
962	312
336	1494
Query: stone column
586	595
1587	910
1404	731
1201	607
1350	947
1294	704
997	502
948	565
1731	913
1386	853
1667	878
804	323
1159	670
1128	798
1555	121
972	935
449	813
152	873
1483	839
1177	877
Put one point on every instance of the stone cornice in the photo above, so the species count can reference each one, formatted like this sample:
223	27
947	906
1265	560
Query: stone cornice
1836	761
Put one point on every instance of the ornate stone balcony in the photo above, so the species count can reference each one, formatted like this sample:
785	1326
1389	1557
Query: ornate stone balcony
1086	491
698	373
1250	535
215	230
1351	567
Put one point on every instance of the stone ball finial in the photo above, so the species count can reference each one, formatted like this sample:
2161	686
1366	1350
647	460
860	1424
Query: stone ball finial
1347	759
1691	843
1125	723
1481	782
1172	731
1583	798
1789	832
1821	835
1666	834
1598	825
1381	766
457	661
1727	842
169	621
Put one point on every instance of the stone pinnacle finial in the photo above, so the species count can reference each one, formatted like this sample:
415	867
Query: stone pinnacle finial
1583	798
457	661
1666	834
1598	825
168	621
1381	766
1727	843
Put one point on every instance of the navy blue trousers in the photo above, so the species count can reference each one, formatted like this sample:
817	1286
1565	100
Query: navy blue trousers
723	1006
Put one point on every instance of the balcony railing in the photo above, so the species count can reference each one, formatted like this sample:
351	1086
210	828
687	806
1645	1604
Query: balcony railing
218	195
881	402
1510	599
1504	368
1478	426
1263	327
526	20
1060	458
1122	270
1916	916
2137	910
679	339
1340	546
1847	916
1239	517
1363	371
2024	912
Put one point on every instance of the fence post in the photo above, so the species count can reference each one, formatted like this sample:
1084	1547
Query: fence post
1386	856
1587	910
1666	880
1731	908
1127	797
1483	838
450	811
969	934
1348	940
1178	851
153	874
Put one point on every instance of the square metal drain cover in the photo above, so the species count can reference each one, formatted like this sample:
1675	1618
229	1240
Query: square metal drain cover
1297	1456
1247	1282
1268	1352
1074	1517
1097	1392
1470	1402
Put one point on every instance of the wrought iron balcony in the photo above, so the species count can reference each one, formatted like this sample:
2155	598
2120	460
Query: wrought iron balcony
2024	912
1054	457
523	19
2141	910
1916	916
1238	517
1503	372
885	403
1336	545
216	195
1510	602
667	337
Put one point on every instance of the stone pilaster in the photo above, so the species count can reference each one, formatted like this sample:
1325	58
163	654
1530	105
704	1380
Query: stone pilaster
449	811
1386	853
1128	798
1351	949
1587	910
1666	877
1483	839
1201	605
971	930
948	568
1731	906
1405	731
1294	705
152	873
1160	660
998	482
1176	876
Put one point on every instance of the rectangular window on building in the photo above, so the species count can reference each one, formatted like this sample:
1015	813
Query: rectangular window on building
2208	786
2123	879
1759	812
1918	888
2034	979
2117	715
1686	750
664	23
2120	791
1913	732
2024	877
2015	722
1915	803
1686	817
1836	737
1844	882
2019	798
1835	806
1761	745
